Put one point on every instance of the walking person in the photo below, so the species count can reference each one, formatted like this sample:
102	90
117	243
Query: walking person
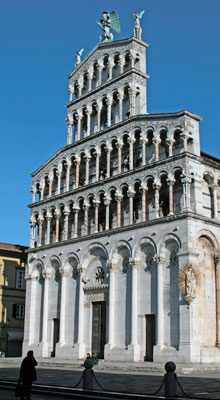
28	373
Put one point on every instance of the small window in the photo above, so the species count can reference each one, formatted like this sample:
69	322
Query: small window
18	311
20	281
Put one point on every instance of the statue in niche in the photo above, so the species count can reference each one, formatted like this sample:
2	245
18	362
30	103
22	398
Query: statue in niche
137	27
107	22
190	282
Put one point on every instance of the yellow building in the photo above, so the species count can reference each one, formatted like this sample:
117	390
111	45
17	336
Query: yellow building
12	298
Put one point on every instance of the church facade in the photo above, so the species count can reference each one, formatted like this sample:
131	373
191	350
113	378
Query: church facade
124	245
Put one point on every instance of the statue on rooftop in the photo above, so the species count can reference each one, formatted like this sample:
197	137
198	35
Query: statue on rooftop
137	28
107	22
78	57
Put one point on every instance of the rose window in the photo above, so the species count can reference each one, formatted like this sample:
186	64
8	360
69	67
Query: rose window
99	275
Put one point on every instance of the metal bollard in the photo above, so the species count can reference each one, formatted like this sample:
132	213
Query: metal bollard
88	374
170	387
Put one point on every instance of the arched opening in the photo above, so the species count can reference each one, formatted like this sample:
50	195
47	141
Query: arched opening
82	170
92	166
207	198
101	214
137	204
114	159
164	197
113	211
163	150
70	234
55	182
150	200
103	162
125	154
125	207
150	153
177	192
91	216
137	150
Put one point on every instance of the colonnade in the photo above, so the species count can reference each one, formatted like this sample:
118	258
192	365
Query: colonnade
109	159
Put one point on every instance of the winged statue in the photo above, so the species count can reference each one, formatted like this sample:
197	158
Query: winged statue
108	22
137	26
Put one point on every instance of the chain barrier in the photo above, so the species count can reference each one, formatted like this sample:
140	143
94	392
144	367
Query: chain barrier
78	383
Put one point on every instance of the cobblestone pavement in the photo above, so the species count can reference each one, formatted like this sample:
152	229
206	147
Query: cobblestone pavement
207	385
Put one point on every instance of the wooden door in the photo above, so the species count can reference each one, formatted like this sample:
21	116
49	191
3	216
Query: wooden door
99	328
150	336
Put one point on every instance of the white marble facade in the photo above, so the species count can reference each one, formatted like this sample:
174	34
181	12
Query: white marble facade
117	213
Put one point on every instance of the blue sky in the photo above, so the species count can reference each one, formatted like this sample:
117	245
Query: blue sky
38	41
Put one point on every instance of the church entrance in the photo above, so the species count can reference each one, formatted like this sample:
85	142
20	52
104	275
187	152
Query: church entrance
150	336
98	328
56	334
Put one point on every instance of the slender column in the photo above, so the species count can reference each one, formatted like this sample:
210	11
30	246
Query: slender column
80	87
120	97
96	204
40	222
77	173
184	138
32	326
69	124
156	142
100	68
108	167
110	66
119	146
97	155
59	171
131	151
48	228
186	181
143	204
50	181
111	314
160	300
76	221
118	198
70	91
134	290
33	195
79	119
109	111
156	199
68	165
143	142
170	146
170	183
66	224
99	108
81	306
86	210
90	77
131	206
47	276
107	202
32	225
57	214
63	305
121	63
214	200
217	269
88	113
41	191
132	96
87	158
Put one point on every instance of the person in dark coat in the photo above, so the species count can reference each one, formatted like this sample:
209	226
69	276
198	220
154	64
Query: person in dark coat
28	373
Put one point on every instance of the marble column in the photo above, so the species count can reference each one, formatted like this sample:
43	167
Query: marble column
131	194
143	142
184	139
32	236
99	109
120	97
59	172
170	146
86	221
96	204
109	110
66	224
77	162
33	195
50	182
76	210
156	199
49	216
132	97
156	142
134	300
107	202
111	315
97	155
217	269
214	201
45	345
67	186
69	131
170	183
90	77
33	299
87	158
118	198
144	190
80	341
110	66
88	113
57	214
63	305
160	262
40	222
119	146
108	166
100	68
131	152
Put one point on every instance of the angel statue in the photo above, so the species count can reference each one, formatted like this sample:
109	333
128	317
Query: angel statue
78	57
107	22
137	27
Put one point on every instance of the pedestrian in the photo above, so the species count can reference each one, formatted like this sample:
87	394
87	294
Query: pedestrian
28	374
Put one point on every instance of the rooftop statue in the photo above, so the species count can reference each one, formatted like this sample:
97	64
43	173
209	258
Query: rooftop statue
137	27
78	57
107	22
